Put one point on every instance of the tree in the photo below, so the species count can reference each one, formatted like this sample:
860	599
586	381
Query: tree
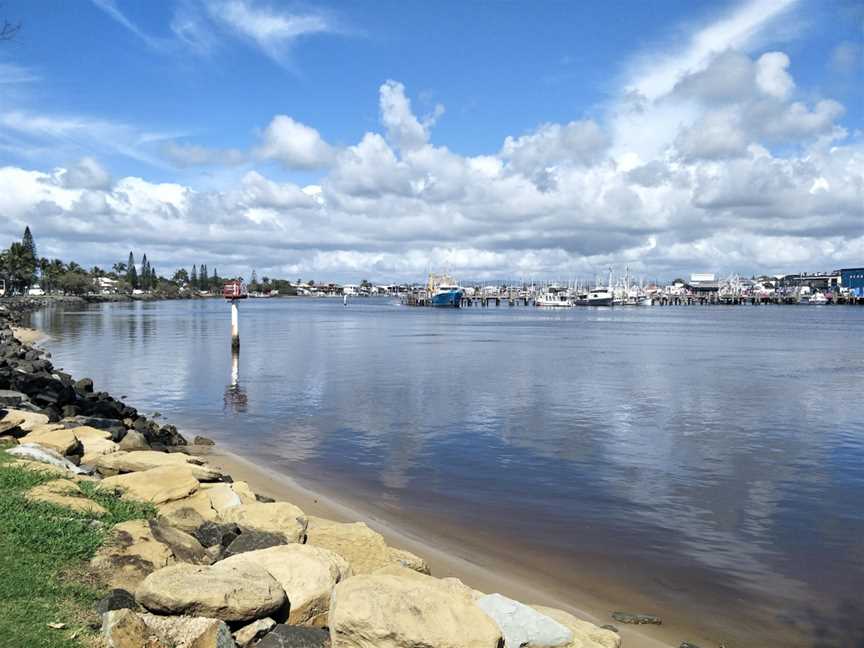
203	279
28	243
181	277
119	269
193	281
18	266
76	283
131	272
253	283
145	273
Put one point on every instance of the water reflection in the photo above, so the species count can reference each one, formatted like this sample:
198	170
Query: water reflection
716	460
235	396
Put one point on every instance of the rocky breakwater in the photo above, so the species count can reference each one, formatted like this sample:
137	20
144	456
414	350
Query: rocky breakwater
220	566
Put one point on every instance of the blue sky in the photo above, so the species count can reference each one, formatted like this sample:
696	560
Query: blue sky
178	104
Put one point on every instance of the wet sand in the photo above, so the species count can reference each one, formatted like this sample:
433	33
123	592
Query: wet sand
482	564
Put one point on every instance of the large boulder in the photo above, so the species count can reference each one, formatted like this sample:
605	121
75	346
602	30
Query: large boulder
307	574
224	496
382	611
22	420
362	547
132	441
157	485
522	625
55	438
34	453
280	518
232	593
140	460
96	442
64	493
180	512
129	554
252	541
585	634
288	636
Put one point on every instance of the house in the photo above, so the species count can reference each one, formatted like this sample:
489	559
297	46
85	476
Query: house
106	285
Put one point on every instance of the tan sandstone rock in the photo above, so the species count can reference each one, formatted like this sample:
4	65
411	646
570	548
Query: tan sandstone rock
281	518
307	574
23	419
232	593
126	629
157	485
381	611
189	632
65	493
60	440
199	502
96	442
585	634
362	547
224	496
133	440
248	634
140	460
129	554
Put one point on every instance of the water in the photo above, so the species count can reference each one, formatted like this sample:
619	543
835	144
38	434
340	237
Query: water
704	462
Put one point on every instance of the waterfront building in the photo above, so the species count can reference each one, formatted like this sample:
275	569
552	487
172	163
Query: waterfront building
853	280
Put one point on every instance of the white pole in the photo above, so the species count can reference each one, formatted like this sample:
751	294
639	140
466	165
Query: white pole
235	325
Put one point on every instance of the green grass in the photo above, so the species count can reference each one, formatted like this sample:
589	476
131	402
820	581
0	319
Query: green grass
43	557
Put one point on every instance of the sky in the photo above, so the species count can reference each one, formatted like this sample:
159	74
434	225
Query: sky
383	140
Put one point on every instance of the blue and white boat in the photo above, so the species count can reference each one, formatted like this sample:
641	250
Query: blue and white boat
445	292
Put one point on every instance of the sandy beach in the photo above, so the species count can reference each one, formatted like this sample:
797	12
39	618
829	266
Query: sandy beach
483	566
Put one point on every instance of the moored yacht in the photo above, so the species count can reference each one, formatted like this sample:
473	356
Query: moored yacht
599	296
552	299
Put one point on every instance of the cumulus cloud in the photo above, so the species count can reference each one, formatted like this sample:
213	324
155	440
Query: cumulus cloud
295	145
86	174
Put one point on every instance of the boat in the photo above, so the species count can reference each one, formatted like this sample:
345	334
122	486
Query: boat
818	299
553	299
446	293
600	296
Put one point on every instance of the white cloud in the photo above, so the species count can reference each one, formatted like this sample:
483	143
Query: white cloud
110	8
403	128
273	31
295	145
772	76
87	173
190	155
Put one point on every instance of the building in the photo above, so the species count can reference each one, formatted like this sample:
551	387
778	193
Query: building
813	280
853	280
703	282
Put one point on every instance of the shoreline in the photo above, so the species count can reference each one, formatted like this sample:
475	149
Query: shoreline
476	565
484	570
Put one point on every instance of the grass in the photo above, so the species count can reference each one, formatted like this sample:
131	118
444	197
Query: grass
44	551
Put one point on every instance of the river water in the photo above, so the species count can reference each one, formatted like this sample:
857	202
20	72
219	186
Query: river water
704	462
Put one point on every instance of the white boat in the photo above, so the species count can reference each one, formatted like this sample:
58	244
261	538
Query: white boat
818	299
553	300
600	296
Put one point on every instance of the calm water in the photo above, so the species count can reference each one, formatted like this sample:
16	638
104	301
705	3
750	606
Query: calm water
709	459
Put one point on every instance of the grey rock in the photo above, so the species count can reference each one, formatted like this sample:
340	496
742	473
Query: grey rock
264	499
611	627
34	452
253	540
523	626
117	599
185	547
285	636
637	619
202	440
11	397
213	534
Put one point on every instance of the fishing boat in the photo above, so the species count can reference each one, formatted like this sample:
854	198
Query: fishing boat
445	292
553	299
818	299
599	296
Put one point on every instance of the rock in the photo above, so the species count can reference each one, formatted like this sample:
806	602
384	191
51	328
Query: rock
225	496
384	611
129	554
253	541
141	460
307	574
610	627
231	593
9	397
266	499
248	634
116	599
214	534
286	636
523	626
409	560
132	441
96	443
639	619
184	546
199	502
279	517
362	547
586	634
687	644
64	493
37	453
125	629
59	440
189	631
202	440
454	584
157	485
84	386
22	419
